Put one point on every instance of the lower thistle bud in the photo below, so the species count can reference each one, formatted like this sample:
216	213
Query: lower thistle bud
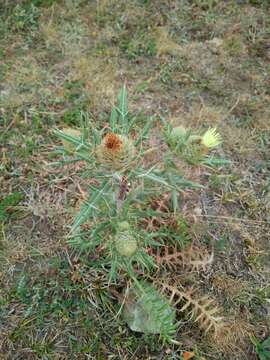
125	243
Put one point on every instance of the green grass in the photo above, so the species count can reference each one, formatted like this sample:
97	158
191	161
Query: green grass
62	59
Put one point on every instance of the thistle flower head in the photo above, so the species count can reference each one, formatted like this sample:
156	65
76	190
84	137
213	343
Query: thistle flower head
112	142
115	151
211	138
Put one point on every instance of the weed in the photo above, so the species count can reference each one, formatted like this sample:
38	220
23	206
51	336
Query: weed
117	160
24	18
140	46
262	349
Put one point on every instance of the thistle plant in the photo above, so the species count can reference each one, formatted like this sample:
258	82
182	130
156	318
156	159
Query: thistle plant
110	223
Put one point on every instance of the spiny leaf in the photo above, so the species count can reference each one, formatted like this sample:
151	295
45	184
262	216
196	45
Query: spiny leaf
72	139
156	178
194	258
113	119
181	182
149	312
200	309
266	343
145	130
88	207
174	183
123	107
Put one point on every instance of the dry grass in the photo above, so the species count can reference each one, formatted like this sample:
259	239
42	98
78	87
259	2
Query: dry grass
165	45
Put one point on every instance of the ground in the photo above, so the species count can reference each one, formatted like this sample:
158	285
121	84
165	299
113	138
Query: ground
194	63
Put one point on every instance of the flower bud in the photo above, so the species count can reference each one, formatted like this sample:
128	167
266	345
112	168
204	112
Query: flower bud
125	243
123	226
178	134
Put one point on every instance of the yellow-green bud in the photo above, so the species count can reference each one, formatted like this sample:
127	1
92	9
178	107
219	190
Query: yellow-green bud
178	133
123	225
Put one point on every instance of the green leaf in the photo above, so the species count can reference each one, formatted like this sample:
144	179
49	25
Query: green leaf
265	355
148	312
72	139
113	119
177	182
96	136
174	201
262	349
157	179
131	123
123	107
181	183
174	194
266	343
213	161
145	130
88	240
89	206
